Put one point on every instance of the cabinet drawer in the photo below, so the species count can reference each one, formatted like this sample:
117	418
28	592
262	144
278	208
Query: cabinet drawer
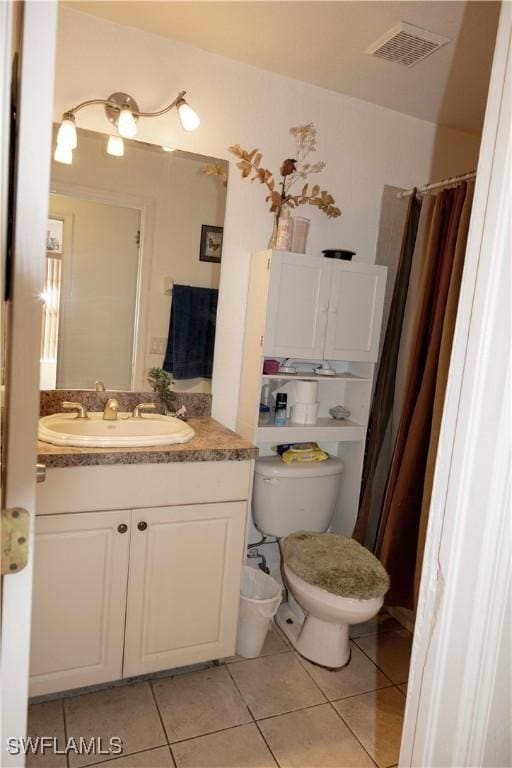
123	486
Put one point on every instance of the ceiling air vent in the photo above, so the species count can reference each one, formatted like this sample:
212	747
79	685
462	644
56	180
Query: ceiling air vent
406	44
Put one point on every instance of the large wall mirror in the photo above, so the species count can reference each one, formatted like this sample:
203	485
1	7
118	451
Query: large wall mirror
132	241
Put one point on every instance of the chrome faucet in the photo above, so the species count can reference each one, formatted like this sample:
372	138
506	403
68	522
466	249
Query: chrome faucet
78	407
137	411
111	409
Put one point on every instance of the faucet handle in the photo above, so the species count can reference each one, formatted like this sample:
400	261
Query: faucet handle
78	407
136	413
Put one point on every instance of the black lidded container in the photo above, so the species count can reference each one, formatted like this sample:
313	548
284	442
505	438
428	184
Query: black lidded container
338	253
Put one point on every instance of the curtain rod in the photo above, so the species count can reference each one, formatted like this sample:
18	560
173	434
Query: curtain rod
437	184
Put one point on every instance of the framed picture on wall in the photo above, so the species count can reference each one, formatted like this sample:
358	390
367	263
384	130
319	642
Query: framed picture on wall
54	236
211	243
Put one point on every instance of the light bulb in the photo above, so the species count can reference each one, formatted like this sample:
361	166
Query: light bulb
168	149
126	124
63	154
115	146
188	118
66	137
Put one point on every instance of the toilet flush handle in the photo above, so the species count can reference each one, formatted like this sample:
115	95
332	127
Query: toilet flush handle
271	480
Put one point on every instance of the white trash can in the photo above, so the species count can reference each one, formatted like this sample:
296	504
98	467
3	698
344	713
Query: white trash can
260	596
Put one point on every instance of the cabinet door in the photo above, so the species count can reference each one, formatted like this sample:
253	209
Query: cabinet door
79	600
184	583
297	306
354	318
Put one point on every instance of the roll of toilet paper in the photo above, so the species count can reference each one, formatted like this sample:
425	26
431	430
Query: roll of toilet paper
306	391
305	413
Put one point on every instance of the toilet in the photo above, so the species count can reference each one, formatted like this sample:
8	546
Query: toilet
332	581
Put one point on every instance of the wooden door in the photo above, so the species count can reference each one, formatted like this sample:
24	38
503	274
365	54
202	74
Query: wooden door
79	599
184	583
297	306
354	318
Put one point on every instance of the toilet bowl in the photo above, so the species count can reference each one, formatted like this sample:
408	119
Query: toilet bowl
332	581
320	631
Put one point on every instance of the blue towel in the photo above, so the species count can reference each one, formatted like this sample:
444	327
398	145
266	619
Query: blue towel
191	338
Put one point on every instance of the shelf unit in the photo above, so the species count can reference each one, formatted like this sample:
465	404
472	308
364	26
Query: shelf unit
300	307
305	376
325	430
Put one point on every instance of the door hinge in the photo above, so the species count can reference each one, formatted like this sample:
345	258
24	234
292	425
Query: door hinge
14	537
268	264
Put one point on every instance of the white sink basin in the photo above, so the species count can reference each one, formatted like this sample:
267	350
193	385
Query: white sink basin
124	432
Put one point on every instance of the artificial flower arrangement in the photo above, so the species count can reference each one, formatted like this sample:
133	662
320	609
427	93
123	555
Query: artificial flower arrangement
293	171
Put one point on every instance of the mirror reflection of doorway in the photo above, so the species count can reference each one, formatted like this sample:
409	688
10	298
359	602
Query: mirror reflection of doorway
90	296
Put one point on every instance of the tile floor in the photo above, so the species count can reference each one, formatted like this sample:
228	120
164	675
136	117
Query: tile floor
276	710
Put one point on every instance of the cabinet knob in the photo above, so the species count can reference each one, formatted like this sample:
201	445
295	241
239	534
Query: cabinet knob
142	525
122	528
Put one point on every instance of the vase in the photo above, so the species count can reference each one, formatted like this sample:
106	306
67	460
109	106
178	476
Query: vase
273	237
282	232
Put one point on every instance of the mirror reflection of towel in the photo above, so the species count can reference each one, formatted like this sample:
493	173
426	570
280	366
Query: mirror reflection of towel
191	338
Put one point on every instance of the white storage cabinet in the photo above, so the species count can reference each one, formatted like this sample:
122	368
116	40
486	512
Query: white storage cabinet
312	309
320	308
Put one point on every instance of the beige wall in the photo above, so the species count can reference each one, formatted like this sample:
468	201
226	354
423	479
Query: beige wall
365	147
181	199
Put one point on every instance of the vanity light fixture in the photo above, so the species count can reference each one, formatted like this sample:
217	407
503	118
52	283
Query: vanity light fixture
126	124
123	112
66	136
115	146
63	154
188	118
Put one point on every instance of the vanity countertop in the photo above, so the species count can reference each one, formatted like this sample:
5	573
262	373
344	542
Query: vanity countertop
212	442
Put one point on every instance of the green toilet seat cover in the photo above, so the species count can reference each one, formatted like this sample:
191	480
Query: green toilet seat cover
335	563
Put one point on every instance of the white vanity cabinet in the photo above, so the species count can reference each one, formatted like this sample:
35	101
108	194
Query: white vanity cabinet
320	308
124	592
183	588
79	597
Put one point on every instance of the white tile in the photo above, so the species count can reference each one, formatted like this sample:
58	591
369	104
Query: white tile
271	685
241	747
358	676
376	719
198	703
391	652
313	738
128	712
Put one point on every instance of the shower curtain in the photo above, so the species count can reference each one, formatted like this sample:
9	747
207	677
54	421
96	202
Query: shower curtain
376	463
411	383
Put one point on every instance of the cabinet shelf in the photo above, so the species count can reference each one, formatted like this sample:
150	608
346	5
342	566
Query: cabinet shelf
308	376
326	430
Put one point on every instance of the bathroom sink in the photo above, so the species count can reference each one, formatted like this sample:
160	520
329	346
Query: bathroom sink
124	432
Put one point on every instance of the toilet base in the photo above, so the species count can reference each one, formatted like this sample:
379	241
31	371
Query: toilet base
318	641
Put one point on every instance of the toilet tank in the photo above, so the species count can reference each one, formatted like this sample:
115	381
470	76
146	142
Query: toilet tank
294	497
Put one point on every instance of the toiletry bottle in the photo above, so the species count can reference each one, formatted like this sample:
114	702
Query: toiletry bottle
280	414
